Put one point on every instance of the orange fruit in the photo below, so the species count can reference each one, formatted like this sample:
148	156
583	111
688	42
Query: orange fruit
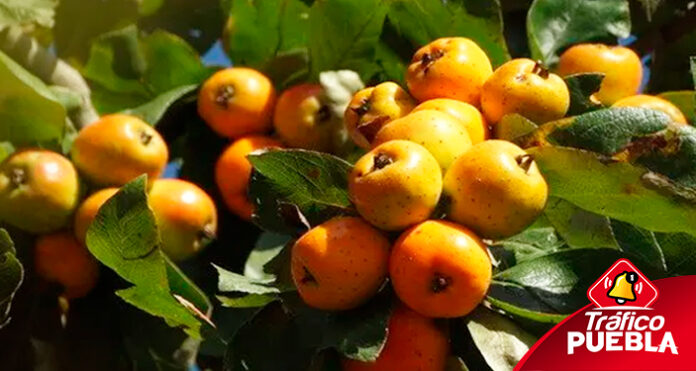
118	148
233	170
339	264
414	343
237	101
449	67
440	269
59	258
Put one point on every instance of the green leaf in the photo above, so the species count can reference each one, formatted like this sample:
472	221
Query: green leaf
672	153
260	32
29	111
640	243
552	284
535	241
152	111
581	87
343	34
287	336
501	342
685	100
513	126
79	22
246	301
11	276
267	247
22	12
579	228
613	189
6	149
608	131
679	250
554	24
233	282
127	70
422	21
124	237
290	185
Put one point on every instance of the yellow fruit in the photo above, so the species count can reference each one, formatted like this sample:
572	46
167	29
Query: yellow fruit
495	189
653	102
441	134
395	185
470	117
524	87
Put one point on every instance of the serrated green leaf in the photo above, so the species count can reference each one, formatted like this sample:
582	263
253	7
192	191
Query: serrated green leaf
259	33
314	182
501	342
422	21
579	228
608	131
29	112
554	24
343	34
267	247
534	241
124	237
152	111
613	189
685	100
581	87
24	12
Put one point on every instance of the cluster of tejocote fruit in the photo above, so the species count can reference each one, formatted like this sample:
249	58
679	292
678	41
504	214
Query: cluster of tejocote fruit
428	146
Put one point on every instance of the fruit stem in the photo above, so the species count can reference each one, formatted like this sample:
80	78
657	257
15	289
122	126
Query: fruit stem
428	58
381	161
540	69
145	138
440	283
525	161
17	177
362	108
224	95
308	277
324	113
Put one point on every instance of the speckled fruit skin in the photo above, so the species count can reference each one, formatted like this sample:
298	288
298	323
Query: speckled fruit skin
186	217
468	116
621	67
521	86
395	185
339	264
450	67
440	269
414	343
495	189
372	108
301	120
59	258
39	191
85	214
118	148
653	102
233	170
237	101
441	134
